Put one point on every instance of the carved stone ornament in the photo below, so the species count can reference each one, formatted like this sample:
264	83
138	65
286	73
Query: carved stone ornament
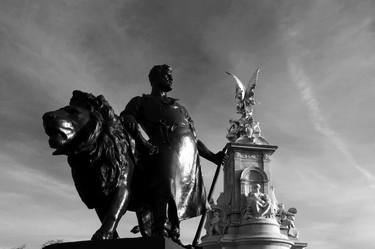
216	223
245	129
258	205
246	156
286	219
267	156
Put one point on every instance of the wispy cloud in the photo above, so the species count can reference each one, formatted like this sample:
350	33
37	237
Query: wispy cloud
304	85
49	48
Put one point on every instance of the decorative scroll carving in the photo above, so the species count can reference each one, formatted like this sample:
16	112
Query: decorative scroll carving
246	156
267	156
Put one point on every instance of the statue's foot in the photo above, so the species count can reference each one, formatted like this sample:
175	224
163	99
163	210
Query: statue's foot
174	233
160	233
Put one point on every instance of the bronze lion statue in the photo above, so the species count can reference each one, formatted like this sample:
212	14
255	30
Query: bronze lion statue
101	156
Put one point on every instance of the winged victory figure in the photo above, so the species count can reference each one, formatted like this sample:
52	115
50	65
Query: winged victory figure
244	128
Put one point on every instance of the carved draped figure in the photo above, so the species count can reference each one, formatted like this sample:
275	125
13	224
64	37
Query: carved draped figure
175	171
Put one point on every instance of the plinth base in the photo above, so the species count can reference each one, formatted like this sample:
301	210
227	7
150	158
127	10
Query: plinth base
127	243
297	244
255	234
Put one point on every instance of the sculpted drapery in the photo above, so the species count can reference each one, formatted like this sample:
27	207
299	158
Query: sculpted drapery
174	172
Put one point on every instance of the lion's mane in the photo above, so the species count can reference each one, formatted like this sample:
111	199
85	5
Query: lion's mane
101	151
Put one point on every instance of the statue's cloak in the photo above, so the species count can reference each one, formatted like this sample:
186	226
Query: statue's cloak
174	172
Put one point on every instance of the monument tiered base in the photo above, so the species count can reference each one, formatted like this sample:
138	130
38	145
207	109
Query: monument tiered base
256	234
128	243
297	244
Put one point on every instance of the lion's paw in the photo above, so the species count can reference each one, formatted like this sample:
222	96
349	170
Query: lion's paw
103	235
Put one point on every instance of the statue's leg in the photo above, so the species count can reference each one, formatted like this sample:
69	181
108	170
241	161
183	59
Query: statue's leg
142	224
173	219
256	208
112	215
159	208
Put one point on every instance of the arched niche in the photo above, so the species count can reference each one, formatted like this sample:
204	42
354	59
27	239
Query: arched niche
253	175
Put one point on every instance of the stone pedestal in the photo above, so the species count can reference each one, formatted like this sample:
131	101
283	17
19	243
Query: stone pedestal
248	165
257	234
128	243
297	244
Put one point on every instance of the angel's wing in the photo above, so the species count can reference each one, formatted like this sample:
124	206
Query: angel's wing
240	89
251	85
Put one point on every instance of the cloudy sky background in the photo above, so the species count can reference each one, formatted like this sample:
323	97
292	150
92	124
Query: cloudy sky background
316	96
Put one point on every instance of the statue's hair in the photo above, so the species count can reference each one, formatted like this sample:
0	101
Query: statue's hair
156	72
107	140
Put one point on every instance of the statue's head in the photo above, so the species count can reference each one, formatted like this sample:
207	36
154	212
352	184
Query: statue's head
160	76
256	187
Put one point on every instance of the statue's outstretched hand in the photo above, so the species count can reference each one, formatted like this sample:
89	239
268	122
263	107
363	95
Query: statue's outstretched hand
221	157
148	148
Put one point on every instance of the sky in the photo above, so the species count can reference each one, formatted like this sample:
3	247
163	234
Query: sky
315	97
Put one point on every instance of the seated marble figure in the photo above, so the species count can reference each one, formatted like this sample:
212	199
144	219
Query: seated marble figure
258	203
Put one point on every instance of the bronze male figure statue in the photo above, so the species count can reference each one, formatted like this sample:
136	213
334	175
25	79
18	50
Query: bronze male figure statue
171	175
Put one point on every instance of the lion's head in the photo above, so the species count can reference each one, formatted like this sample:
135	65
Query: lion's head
91	135
80	123
63	125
